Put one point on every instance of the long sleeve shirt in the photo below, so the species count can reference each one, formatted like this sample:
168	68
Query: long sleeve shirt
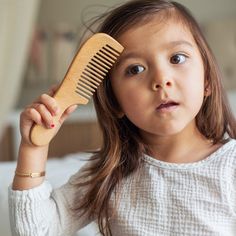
160	199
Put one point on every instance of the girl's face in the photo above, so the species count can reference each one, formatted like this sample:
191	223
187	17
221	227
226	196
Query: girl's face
159	78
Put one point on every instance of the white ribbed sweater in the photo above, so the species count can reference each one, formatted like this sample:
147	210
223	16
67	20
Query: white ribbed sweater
166	199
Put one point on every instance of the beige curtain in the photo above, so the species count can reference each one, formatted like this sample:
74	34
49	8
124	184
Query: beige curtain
17	18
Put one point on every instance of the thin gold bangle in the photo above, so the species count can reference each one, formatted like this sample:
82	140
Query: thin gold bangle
30	174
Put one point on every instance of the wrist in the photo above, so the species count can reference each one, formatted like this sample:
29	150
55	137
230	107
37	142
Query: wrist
30	148
32	158
31	163
27	144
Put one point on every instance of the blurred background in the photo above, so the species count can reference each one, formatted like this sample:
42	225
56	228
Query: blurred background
38	39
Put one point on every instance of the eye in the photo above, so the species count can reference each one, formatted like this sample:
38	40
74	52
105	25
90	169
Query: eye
134	69
178	59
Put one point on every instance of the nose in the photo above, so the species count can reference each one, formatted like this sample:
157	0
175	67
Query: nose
161	80
164	84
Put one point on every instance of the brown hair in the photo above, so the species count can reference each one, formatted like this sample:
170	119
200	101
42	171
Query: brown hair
122	148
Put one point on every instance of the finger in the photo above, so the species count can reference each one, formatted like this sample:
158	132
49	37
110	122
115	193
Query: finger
67	112
53	89
31	115
50	103
70	109
45	114
51	92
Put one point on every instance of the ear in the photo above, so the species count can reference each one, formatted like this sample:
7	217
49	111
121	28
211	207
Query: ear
117	109
207	91
120	114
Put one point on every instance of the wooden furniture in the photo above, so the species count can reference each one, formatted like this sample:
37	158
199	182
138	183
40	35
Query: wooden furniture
74	136
6	145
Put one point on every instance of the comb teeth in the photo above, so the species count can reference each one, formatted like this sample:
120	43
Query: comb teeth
96	70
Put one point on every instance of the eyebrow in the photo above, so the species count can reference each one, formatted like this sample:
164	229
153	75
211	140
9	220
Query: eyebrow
125	57
136	55
179	42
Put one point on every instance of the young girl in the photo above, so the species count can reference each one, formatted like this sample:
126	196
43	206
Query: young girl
167	165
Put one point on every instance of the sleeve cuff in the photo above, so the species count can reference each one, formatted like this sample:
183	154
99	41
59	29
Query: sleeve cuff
41	192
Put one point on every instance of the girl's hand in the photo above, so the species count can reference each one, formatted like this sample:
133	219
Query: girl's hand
41	112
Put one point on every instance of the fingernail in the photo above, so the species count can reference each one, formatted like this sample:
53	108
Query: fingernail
52	125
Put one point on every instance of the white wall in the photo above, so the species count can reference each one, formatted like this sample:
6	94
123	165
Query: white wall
70	11
16	22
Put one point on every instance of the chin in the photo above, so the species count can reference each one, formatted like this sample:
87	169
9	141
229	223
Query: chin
171	130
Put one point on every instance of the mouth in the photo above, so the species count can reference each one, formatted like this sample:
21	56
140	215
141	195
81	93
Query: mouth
168	105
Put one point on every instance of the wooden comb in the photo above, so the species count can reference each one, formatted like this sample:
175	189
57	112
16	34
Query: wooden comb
87	70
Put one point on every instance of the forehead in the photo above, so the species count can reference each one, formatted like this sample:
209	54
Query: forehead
158	29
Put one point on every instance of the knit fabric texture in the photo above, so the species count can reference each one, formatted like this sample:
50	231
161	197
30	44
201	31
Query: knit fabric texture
160	199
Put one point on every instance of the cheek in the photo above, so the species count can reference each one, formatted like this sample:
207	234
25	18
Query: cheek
129	100
123	92
194	91
195	77
129	97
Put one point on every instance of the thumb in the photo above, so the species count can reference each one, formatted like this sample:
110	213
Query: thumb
67	113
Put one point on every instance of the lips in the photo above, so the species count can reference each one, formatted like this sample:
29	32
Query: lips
167	104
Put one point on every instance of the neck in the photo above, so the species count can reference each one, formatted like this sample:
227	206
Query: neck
187	146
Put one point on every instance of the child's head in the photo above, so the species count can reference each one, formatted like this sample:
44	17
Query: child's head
137	14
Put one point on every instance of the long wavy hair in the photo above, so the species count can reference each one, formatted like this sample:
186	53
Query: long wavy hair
122	148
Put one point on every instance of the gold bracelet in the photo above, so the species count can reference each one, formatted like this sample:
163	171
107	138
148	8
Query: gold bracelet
31	174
